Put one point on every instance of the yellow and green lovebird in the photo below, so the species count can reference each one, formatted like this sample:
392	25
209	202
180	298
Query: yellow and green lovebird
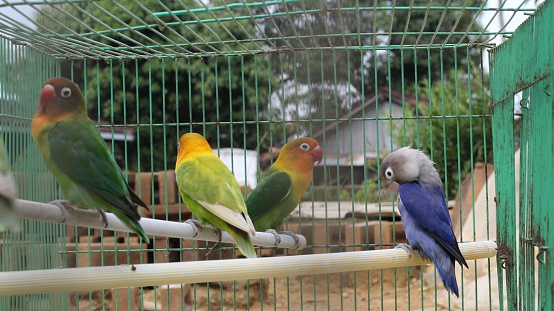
279	191
8	219
211	191
78	156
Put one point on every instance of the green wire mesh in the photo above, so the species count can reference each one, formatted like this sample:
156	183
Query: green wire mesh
103	30
38	244
361	77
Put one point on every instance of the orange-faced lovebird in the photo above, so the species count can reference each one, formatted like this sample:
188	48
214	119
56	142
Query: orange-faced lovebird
78	156
279	191
211	191
411	175
8	219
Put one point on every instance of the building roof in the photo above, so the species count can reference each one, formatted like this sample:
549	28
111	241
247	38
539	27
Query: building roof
382	95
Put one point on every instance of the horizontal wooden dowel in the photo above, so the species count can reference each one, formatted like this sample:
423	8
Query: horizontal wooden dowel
172	229
94	278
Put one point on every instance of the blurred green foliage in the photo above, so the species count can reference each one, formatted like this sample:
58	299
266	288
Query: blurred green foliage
454	128
163	98
325	83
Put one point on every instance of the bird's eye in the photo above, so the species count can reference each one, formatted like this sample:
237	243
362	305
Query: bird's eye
66	92
389	173
178	145
305	147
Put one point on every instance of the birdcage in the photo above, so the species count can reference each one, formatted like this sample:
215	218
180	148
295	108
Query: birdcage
452	78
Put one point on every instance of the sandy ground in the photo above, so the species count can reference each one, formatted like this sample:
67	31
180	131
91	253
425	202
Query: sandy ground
374	290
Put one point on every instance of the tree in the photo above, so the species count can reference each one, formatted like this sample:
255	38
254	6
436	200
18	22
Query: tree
453	143
165	97
332	74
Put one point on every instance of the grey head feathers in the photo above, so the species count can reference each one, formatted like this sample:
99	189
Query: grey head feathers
408	165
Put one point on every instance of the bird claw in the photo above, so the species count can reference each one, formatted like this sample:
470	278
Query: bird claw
407	248
294	236
196	226
277	237
102	214
63	205
219	236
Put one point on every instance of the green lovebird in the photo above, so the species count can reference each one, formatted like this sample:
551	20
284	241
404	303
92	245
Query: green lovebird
8	219
211	191
279	191
78	156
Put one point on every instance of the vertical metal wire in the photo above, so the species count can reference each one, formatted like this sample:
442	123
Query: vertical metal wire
352	193
338	181
389	91
377	140
446	181
485	152
326	178
306	58
421	274
471	169
431	140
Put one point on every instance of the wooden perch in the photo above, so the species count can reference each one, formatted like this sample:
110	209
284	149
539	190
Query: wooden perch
91	219
94	278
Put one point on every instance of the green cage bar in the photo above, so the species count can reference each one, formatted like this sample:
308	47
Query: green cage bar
524	243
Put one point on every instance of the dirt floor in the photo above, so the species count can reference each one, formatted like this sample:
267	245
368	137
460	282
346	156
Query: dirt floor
386	290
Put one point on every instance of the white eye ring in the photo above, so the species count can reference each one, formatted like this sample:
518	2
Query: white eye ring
305	147
66	92
389	173
178	145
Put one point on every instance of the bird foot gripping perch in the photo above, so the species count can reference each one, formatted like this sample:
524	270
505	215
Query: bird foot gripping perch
219	236
407	248
294	236
102	214
63	205
278	237
196	226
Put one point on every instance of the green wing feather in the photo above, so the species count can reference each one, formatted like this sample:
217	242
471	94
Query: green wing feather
271	202
272	189
78	150
207	179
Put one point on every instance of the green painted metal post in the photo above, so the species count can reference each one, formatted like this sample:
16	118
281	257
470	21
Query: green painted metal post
503	142
525	63
540	191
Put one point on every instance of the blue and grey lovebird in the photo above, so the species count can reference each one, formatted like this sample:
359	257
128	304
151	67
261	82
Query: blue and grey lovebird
411	175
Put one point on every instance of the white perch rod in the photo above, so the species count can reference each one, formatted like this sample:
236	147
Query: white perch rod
93	278
91	219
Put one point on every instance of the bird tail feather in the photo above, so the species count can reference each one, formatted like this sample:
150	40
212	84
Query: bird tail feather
243	242
447	273
134	225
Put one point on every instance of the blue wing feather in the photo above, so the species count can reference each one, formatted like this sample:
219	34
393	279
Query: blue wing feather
427	206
